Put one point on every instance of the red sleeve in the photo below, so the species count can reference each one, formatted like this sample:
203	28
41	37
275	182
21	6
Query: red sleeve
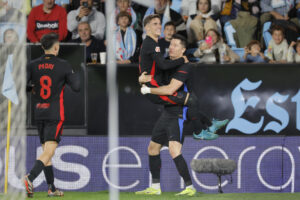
63	31
31	27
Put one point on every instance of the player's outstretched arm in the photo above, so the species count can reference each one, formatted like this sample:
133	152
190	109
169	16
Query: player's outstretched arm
170	89
165	64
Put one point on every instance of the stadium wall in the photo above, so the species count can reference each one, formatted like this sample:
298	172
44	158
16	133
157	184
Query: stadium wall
265	164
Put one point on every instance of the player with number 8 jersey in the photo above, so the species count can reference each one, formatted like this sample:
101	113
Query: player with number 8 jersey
46	79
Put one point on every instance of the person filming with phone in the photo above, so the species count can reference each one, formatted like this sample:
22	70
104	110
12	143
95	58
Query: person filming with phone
87	13
214	50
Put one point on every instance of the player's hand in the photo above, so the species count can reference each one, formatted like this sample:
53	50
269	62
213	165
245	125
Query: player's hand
145	90
144	78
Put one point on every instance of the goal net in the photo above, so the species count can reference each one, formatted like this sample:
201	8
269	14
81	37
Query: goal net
12	89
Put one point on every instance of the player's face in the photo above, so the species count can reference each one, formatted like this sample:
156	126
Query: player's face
169	32
123	22
123	5
48	3
154	27
203	6
84	32
176	49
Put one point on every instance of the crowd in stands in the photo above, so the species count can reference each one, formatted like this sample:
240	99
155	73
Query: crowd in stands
217	31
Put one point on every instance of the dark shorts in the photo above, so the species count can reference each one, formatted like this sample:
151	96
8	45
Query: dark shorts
169	127
49	130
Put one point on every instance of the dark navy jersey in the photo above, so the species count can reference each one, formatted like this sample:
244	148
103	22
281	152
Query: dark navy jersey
153	62
48	76
183	74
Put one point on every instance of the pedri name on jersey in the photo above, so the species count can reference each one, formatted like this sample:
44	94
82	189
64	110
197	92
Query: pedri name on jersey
41	25
46	66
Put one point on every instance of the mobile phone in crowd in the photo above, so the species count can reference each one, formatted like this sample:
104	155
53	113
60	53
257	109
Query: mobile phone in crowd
208	40
85	4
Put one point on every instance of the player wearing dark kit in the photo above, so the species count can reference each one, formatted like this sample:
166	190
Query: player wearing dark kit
170	127
153	63
47	76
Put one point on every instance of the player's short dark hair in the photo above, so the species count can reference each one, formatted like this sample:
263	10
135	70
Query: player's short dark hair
148	19
48	40
124	14
170	23
182	39
276	28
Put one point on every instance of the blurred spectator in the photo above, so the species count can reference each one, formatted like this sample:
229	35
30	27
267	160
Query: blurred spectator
124	6
199	23
125	39
230	9
10	36
213	50
189	7
162	7
62	3
292	55
253	53
164	43
279	10
23	6
93	45
45	18
278	46
245	26
87	13
9	14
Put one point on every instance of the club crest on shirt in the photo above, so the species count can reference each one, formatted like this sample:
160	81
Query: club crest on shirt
157	49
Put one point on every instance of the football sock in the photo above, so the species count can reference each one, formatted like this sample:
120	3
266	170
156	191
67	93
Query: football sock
183	169
155	186
155	165
48	171
36	170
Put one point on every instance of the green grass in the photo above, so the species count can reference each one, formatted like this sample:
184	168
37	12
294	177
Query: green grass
170	196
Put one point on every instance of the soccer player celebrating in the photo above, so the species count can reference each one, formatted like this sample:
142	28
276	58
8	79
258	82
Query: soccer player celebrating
48	76
170	128
152	62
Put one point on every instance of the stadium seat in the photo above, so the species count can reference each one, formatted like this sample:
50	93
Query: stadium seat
229	31
266	34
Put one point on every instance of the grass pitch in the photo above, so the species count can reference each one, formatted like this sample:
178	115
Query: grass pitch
104	195
171	196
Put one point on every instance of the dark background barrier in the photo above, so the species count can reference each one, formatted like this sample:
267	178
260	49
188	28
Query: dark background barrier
274	87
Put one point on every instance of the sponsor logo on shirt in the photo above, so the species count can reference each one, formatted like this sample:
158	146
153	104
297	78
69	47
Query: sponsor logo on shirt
40	25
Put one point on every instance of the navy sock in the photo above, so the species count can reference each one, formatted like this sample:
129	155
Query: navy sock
48	171
36	170
155	165
183	169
